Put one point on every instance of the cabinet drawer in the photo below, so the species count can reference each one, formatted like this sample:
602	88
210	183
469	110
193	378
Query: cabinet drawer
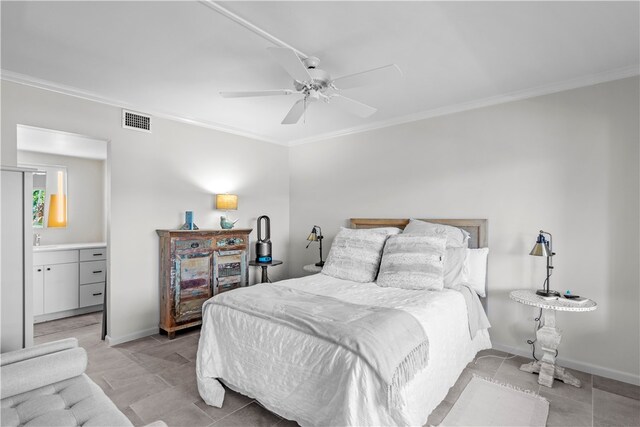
55	257
94	254
91	294
193	244
92	272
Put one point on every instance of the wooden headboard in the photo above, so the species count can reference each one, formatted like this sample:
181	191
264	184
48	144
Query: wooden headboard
477	228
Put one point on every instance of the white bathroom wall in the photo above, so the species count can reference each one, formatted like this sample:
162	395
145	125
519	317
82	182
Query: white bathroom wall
566	163
153	179
86	209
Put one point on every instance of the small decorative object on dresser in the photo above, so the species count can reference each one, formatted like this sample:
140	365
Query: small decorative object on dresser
545	248
548	335
227	202
194	266
188	221
316	236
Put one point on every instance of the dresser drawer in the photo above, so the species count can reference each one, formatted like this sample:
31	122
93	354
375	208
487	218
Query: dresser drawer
183	245
94	254
92	272
91	294
55	257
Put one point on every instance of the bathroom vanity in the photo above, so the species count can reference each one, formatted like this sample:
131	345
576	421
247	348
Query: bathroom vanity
68	280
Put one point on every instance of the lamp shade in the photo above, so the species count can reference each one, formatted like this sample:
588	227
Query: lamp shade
313	236
58	205
540	248
57	211
227	202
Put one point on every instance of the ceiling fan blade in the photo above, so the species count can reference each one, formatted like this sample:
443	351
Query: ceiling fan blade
243	94
370	77
295	113
352	106
291	63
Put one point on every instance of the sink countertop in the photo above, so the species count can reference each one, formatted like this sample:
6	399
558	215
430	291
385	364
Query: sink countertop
68	246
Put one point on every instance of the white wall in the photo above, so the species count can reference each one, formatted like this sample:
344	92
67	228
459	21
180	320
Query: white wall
154	178
86	209
566	163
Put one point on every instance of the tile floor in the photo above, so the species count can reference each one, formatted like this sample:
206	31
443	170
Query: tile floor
154	378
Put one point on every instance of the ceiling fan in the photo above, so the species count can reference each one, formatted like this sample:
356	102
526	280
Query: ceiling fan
316	84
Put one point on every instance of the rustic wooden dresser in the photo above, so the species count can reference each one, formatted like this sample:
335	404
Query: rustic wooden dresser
194	266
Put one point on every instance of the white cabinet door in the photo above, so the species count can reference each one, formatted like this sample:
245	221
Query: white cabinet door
61	287
38	290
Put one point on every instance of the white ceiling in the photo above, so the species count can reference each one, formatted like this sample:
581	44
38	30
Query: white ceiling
172	58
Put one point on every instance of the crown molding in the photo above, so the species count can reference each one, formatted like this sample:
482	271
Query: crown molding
570	84
26	80
519	95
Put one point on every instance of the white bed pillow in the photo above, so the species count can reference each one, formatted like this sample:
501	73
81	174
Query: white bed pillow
477	269
355	254
413	262
389	231
456	269
456	237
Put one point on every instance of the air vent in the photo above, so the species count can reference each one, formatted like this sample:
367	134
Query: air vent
136	121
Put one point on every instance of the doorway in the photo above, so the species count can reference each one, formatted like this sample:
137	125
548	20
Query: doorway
70	213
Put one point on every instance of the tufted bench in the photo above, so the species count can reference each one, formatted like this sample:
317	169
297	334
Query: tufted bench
46	385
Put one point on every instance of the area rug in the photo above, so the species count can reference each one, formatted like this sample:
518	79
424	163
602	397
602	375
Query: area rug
485	402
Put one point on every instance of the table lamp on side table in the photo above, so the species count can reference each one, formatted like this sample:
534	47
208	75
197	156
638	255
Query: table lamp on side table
316	236
545	248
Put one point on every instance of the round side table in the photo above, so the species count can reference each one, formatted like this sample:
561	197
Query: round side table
549	336
265	266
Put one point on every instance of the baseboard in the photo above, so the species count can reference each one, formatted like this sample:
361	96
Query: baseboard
580	366
67	313
111	341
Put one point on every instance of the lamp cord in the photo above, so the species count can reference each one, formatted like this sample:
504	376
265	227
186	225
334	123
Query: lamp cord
532	343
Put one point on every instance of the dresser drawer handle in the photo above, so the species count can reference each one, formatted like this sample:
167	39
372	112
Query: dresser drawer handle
97	254
226	286
97	271
195	245
39	269
48	268
97	293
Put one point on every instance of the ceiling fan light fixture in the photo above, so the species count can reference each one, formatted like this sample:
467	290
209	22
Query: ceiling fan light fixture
311	62
314	83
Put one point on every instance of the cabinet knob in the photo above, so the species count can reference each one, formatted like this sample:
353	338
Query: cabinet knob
39	269
48	268
195	245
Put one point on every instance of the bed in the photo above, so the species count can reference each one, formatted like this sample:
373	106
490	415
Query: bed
311	380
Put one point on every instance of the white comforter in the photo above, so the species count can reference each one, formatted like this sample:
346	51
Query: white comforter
314	382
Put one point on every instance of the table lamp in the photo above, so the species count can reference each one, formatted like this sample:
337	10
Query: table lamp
227	202
316	236
544	247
